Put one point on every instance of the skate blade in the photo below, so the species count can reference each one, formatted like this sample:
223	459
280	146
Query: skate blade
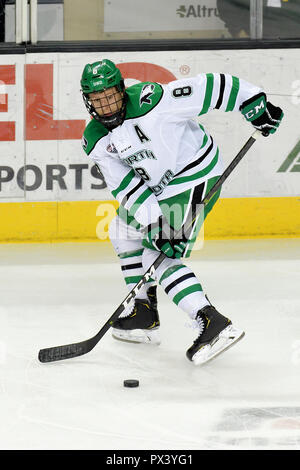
137	336
227	338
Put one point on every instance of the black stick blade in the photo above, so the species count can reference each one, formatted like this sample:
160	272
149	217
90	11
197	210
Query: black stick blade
68	351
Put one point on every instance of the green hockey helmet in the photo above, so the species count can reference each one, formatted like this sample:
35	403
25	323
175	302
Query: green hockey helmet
98	77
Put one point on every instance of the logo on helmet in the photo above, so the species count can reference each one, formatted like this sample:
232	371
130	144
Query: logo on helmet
96	68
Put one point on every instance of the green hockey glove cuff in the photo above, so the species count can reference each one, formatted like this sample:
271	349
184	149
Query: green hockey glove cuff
160	236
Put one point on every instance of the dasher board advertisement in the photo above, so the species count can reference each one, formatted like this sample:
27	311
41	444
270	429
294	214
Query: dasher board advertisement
42	119
157	15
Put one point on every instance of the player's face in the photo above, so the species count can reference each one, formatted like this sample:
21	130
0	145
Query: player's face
107	102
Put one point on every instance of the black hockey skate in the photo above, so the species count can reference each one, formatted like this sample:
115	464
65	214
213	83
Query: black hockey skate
216	334
141	325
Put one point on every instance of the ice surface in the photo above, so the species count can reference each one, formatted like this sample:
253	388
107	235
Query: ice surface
248	398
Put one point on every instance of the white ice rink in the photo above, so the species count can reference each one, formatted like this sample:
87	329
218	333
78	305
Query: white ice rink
248	398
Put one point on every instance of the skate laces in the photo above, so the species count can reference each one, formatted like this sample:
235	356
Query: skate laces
201	324
197	324
128	311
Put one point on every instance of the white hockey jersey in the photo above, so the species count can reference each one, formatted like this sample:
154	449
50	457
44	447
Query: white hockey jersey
160	150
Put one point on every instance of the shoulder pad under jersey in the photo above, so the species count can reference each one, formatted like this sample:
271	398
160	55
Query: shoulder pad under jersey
142	98
94	131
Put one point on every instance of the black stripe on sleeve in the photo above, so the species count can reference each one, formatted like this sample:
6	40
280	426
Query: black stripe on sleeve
221	93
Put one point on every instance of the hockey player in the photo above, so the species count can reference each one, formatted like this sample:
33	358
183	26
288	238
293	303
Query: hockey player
159	163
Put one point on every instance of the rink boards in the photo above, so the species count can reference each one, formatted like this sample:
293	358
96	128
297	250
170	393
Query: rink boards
49	190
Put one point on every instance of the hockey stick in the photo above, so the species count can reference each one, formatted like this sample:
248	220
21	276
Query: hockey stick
69	351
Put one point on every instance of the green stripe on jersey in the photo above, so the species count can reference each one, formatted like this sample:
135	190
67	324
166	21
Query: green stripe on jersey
205	139
208	93
124	215
124	183
142	198
233	94
199	174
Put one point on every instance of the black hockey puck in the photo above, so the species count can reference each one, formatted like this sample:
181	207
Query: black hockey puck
131	383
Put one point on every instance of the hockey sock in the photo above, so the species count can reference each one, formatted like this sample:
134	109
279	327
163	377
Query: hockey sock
132	269
182	286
